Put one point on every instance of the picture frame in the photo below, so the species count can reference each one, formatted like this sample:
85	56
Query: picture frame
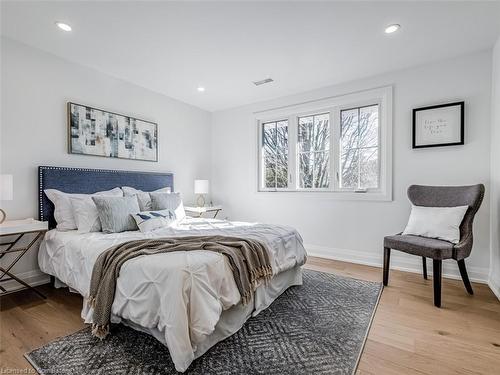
98	132
438	125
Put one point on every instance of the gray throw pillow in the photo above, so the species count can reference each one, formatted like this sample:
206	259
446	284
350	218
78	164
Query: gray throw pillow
115	213
168	201
143	197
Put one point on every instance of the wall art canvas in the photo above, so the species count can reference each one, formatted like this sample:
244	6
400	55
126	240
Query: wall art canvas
438	125
97	132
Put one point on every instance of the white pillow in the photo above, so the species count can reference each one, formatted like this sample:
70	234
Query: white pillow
436	222
151	220
143	197
86	214
63	210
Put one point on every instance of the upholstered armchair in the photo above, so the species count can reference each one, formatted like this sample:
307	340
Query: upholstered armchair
438	250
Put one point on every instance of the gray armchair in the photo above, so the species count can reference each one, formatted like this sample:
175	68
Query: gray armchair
439	196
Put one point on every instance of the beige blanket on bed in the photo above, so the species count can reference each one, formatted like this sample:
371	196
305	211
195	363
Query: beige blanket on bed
249	260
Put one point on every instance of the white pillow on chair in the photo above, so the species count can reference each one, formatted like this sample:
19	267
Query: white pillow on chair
436	222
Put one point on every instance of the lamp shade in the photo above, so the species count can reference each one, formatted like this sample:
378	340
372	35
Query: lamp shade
6	187
201	186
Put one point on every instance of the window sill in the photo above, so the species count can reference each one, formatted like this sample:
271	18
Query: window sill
334	195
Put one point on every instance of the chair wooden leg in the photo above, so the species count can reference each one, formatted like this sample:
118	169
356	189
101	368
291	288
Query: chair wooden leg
465	277
424	267
387	257
436	275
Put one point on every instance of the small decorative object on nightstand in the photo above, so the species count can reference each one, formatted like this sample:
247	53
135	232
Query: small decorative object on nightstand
18	229
201	188
199	211
6	192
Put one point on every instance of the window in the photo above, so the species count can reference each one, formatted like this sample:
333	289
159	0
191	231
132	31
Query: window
275	154
314	151
339	145
359	145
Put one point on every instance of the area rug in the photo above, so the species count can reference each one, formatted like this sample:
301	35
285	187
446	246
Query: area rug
317	328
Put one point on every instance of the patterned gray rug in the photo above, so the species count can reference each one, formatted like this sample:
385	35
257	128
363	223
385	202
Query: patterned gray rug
319	327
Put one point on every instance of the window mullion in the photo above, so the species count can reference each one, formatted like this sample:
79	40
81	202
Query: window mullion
313	185
276	156
314	136
359	151
335	146
292	152
261	182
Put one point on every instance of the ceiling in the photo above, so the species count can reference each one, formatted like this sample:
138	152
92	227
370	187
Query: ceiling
174	47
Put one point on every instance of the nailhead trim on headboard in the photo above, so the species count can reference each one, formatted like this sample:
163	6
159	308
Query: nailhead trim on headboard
41	170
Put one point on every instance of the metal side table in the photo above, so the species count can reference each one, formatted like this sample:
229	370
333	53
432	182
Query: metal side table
18	229
199	211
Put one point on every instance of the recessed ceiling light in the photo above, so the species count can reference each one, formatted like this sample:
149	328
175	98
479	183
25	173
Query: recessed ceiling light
201	89
392	28
63	26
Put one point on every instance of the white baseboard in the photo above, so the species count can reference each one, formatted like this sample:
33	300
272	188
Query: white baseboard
399	261
33	278
494	286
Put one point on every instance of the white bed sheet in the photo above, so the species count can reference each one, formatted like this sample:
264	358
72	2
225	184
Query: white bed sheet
179	297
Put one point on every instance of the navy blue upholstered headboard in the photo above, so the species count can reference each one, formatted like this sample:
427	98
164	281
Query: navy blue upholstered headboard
87	181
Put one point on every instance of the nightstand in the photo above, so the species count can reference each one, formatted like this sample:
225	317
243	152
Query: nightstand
199	211
18	229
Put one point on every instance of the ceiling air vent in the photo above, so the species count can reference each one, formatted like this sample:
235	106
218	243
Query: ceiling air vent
263	82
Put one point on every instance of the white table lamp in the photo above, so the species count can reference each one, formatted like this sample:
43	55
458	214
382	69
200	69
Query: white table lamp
201	188
6	192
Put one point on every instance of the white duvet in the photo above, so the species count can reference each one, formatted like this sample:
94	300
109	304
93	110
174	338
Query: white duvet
179	294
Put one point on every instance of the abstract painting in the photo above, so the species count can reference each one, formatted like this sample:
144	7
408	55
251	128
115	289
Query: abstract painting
97	132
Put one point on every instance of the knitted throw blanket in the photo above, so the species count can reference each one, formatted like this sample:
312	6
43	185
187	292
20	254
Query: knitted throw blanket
249	261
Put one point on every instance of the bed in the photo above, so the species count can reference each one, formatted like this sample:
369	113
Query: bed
187	300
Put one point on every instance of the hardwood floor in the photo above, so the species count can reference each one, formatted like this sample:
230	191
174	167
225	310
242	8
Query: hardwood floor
408	335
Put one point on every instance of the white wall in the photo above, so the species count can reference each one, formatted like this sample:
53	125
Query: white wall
494	280
35	89
354	230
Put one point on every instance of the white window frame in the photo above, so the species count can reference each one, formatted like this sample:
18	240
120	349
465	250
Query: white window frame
261	169
381	96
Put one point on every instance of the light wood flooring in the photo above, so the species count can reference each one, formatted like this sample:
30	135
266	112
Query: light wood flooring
408	335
